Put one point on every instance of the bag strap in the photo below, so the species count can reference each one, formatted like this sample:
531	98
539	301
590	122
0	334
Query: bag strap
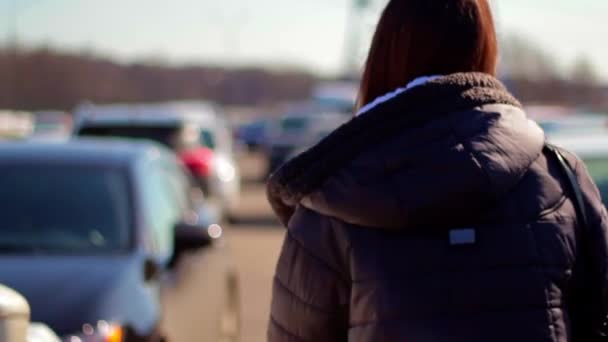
579	203
585	233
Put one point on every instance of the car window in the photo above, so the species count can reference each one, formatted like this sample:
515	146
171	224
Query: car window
185	190
180	184
162	209
294	124
172	137
208	139
64	209
598	169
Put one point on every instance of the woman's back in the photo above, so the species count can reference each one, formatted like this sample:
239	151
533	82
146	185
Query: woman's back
444	226
436	214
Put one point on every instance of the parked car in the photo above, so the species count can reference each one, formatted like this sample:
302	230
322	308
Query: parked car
593	150
15	124
52	125
93	233
340	96
575	124
197	132
254	135
298	130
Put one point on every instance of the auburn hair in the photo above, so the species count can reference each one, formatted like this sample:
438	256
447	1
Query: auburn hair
417	38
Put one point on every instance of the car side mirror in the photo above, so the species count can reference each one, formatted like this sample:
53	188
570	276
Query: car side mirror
151	270
192	237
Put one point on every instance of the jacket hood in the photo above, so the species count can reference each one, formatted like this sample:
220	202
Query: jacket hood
436	155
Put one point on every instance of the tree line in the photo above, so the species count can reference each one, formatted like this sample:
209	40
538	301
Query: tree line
32	79
534	75
44	78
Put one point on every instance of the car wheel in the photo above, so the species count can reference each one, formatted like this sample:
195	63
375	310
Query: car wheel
231	318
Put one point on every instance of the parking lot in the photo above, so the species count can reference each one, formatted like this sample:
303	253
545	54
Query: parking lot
467	161
256	248
256	243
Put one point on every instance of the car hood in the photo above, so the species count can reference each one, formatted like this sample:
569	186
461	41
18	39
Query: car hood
67	292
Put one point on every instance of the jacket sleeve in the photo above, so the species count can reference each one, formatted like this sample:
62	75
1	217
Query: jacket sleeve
310	291
592	295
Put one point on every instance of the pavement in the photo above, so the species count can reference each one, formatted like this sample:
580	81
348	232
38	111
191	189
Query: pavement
256	250
255	242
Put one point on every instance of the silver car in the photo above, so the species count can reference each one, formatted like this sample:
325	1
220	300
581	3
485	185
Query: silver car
196	131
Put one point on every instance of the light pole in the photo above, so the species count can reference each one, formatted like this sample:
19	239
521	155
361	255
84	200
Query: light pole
17	7
352	36
13	73
504	65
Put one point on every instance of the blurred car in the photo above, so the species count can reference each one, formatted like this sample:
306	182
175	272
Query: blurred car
92	231
559	120
339	96
197	132
297	131
55	125
254	134
593	150
15	124
575	124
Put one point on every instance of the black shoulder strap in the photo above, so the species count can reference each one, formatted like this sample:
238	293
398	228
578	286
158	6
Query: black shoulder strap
579	203
586	261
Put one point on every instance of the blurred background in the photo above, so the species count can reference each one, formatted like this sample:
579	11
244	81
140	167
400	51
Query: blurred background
228	91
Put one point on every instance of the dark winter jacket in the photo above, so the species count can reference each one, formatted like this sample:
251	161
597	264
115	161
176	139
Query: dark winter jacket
436	216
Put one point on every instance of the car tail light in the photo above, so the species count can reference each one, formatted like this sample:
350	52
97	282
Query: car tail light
199	161
102	332
114	334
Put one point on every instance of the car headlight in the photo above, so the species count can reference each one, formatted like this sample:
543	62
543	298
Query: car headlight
101	332
225	170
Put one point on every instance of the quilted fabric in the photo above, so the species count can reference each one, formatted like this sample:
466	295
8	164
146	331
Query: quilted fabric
372	212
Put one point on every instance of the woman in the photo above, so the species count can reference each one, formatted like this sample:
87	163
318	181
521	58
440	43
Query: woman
436	214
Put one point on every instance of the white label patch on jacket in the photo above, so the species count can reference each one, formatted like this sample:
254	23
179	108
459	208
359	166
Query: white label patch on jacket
460	237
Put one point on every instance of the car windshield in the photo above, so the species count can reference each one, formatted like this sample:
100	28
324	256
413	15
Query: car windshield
168	136
598	169
294	124
208	139
63	209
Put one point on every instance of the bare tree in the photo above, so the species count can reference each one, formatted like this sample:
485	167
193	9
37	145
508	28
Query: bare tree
584	71
523	59
51	79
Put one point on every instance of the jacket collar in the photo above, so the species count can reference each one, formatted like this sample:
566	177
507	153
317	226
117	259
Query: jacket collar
387	97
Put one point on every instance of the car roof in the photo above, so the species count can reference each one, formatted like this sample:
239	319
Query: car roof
83	151
585	146
169	113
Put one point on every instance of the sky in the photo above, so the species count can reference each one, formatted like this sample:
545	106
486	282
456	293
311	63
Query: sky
278	33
